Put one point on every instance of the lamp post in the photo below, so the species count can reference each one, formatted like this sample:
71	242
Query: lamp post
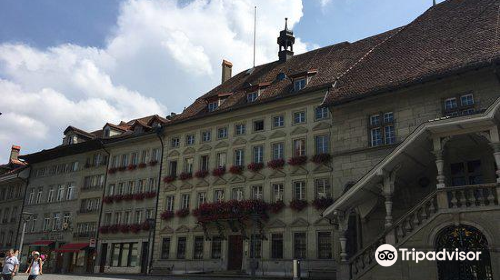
253	263
25	216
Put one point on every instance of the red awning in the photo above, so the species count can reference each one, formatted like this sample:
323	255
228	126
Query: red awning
42	243
72	247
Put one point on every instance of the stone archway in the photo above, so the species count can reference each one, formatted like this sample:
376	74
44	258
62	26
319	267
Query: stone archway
464	238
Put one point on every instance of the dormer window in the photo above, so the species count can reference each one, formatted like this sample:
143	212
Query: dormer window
212	106
107	132
299	84
251	97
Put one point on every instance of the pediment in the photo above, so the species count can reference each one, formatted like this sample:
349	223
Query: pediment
182	229
277	173
167	229
277	224
219	181
189	150
202	183
277	134
237	179
299	170
300	222
258	137
322	222
170	187
256	176
197	228
205	147
322	168
322	125
299	130
186	186
222	144
239	141
174	153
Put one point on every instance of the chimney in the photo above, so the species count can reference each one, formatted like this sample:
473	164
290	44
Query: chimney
14	153
226	70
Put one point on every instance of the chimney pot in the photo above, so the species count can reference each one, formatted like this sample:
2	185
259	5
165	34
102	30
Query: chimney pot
226	70
14	152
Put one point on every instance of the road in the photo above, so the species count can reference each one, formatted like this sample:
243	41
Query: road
131	277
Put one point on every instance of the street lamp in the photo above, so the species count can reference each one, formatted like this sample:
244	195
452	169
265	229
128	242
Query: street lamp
25	216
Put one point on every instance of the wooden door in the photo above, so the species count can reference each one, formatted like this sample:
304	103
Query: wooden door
235	252
104	254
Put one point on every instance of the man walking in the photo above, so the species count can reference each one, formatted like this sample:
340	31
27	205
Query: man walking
10	266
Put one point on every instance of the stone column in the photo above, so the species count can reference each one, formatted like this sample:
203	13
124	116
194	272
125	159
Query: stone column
388	210
496	155
440	169
343	245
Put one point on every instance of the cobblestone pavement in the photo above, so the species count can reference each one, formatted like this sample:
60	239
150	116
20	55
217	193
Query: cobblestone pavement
132	277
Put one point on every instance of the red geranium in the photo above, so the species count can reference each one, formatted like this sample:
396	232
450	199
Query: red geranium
299	160
322	203
145	226
185	176
108	199
233	209
219	171
128	197
118	198
114	228
277	206
276	163
124	228
321	158
153	162
150	194
139	196
298	204
104	229
135	228
169	179
112	170
142	165
255	166
181	213
167	215
131	167
122	168
201	174
236	169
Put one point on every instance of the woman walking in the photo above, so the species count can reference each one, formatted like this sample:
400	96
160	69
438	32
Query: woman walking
35	267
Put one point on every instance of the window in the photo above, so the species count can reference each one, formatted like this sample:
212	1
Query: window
239	156
134	159
60	193
299	190
124	254
181	248
202	198
322	144
323	189
107	219
57	221
237	194
198	248
258	154
324	245
70	191
115	162
467	100
278	150
466	173
212	106
257	192
31	196
218	195
204	163
172	168
221	159
453	108
206	136
124	160
299	245
255	246
174	142
169	203
299	84
321	113
299	117
240	129
127	217
46	224
138	216
258	125
144	156
251	97
278	192
216	248
118	218
382	129
50	196
279	121
222	133
277	245
39	195
185	201
165	248
188	165
299	147
189	139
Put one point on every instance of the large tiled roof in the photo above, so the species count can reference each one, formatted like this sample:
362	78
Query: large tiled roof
453	36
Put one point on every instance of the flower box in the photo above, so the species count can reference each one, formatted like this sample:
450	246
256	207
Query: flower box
167	215
181	213
118	198
150	194
169	179
322	203
276	163
201	174
145	226
114	228
219	171
122	168
185	176
232	209
135	228
321	158
296	161
104	229
124	228
139	196
277	206
153	162
298	205
142	165
128	197
131	167
108	199
255	166
112	170
236	169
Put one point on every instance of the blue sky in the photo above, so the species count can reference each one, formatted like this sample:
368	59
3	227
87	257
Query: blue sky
88	62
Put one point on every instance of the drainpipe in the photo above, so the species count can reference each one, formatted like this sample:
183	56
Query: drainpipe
151	243
102	200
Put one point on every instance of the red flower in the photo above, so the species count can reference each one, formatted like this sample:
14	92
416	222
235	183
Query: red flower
104	229
181	213
299	160
322	203
142	165
201	174
219	171
185	176
241	210
114	228
135	228
276	163
169	179
153	162
139	196
236	169
150	194
255	166
108	199
118	197
167	215
122	168
112	170
128	197
298	204
321	158
131	167
277	206
124	228
145	226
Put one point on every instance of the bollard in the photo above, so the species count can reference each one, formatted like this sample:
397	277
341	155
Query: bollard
296	270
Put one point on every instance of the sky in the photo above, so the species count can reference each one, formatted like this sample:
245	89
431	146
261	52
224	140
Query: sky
88	62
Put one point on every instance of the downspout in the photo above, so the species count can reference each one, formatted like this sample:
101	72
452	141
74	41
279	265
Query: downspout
27	180
159	134
102	199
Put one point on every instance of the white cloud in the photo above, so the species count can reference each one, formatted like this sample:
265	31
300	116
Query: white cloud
161	54
324	3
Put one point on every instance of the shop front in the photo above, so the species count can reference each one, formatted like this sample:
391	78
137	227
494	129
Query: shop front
76	257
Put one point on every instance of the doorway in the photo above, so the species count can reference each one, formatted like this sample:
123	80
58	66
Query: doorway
104	254
235	252
144	257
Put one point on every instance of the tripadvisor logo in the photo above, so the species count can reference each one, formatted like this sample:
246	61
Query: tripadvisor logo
386	255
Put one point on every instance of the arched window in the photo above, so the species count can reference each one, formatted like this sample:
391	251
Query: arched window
468	239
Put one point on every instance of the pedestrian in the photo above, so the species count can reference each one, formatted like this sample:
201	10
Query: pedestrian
35	267
10	266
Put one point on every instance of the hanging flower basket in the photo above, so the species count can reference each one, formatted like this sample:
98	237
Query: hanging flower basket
219	171
131	167
114	228
169	179
139	196
145	226
167	215
321	158
124	228
185	176
255	166
322	203
150	194
276	163
142	165
201	174
153	162
181	213
122	168
128	197
135	228
112	170
236	169
108	199
298	205
277	206
297	161
104	229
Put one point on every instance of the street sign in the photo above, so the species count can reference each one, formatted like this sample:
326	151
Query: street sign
92	243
